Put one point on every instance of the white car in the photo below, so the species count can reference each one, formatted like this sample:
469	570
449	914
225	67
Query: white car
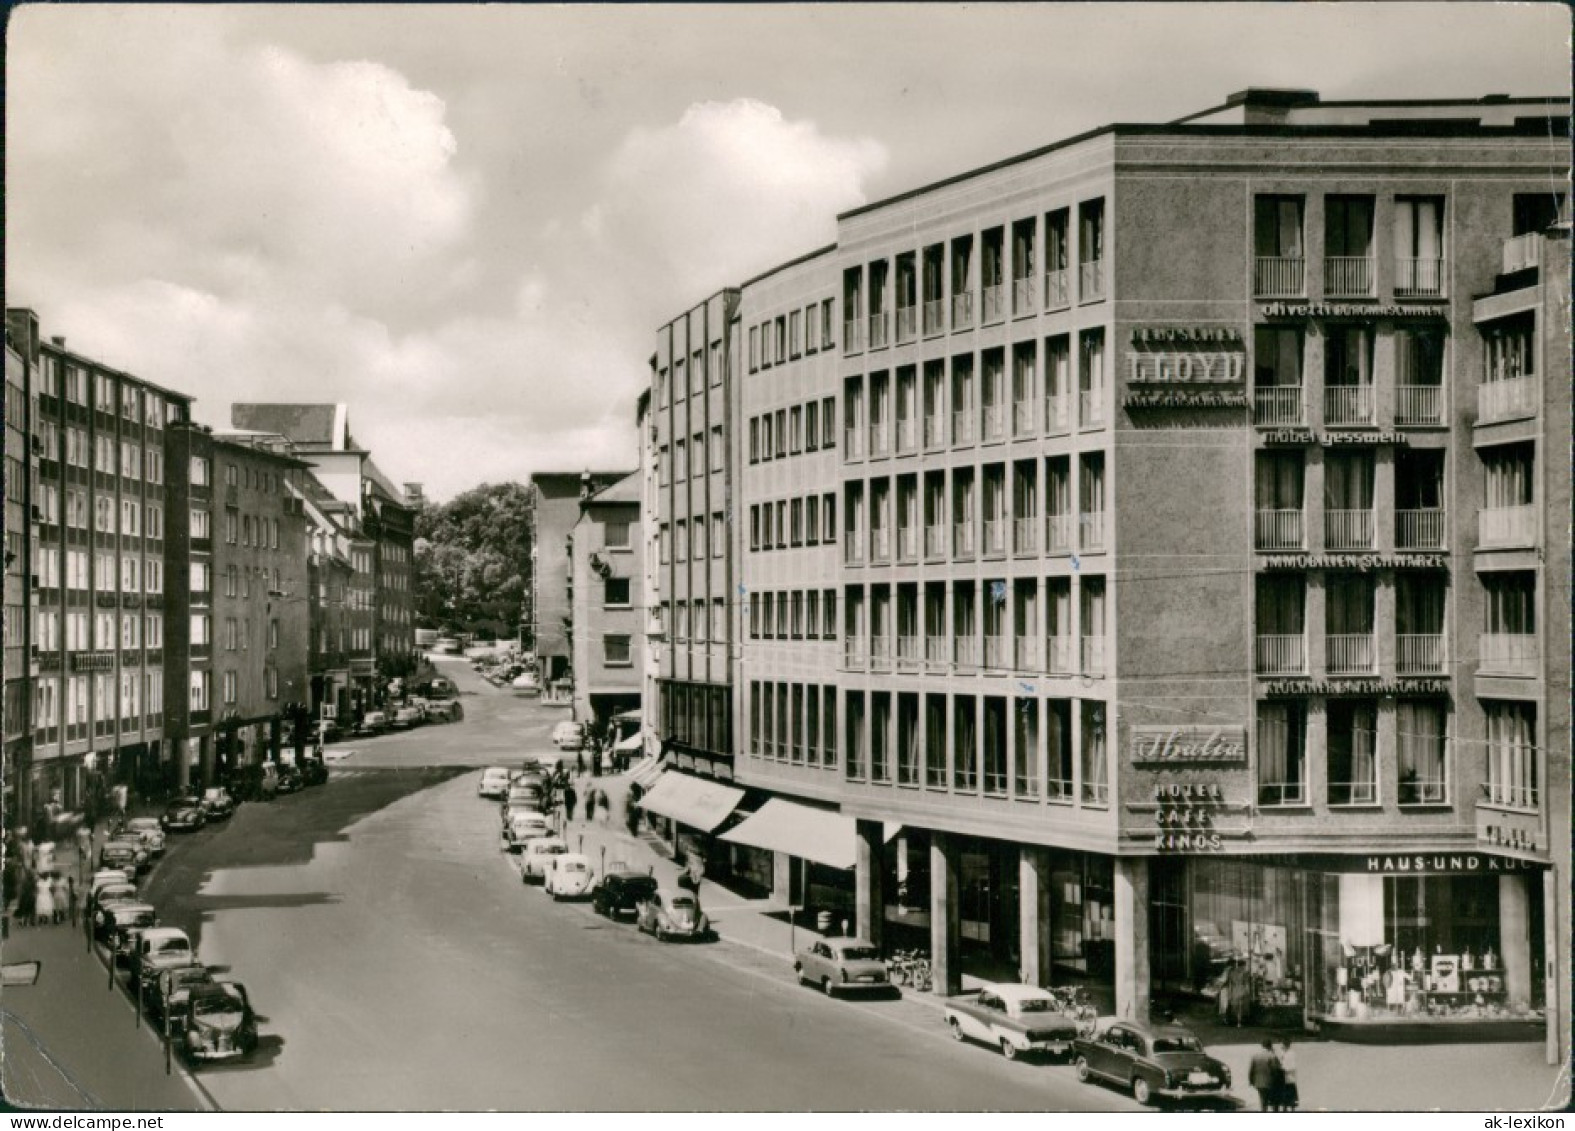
148	829
568	735
526	681
569	876
524	827
494	782
539	854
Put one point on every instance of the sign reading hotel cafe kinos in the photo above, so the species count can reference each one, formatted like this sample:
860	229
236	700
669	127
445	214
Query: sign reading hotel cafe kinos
1186	367
1198	773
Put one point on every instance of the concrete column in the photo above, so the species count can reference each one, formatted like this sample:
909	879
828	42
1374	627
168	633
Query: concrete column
869	875
1556	999
944	919
782	877
1132	983
1033	897
1514	925
182	765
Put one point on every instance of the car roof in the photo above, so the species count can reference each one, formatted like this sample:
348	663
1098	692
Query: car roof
1017	991
546	842
142	823
574	858
1152	1030
156	933
845	943
131	905
626	876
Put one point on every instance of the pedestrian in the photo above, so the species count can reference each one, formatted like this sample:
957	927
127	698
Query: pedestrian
603	805
43	901
58	895
579	761
71	899
570	800
26	898
1288	1098
1240	993
84	839
590	805
1263	1074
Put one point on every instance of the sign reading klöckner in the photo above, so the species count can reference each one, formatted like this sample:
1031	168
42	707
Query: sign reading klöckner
1189	746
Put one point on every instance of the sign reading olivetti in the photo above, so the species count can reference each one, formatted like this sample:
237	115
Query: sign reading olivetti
1185	747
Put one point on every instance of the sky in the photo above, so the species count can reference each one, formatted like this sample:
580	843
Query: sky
467	223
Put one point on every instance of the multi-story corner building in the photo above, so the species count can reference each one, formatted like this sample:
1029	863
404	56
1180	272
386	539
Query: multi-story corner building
606	560
555	498
330	578
1195	598
21	361
188	608
649	598
98	512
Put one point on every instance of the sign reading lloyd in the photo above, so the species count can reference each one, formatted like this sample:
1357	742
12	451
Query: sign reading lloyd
1186	355
1189	746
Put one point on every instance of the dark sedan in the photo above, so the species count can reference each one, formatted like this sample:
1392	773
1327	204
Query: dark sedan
621	893
216	1022
183	817
314	771
290	780
1153	1060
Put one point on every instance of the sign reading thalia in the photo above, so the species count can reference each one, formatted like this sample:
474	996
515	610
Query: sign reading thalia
1189	746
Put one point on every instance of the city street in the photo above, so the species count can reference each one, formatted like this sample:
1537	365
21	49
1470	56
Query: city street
400	963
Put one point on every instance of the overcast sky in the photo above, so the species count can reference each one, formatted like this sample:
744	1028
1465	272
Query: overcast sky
467	223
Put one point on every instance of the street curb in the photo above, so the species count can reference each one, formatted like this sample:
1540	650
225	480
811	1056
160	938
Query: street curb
205	1099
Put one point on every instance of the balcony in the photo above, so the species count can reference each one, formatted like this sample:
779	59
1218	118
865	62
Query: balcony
935	650
1279	530
1348	530
907	543
967	652
1090	409
1093	655
1503	653
1350	653
880	545
1419	405
1282	655
1420	654
1058	533
1522	252
1023	422
1027	654
852	336
962	311
880	653
879	328
1024	297
994	422
907	323
1419	530
1058	413
1347	276
1277	406
1507	527
880	441
934	431
1058	289
1059	660
906	430
962	539
854	654
853	443
1091	279
1508	399
1419	278
935	541
996	658
1091	531
1278	276
995	537
935	316
993	298
852	550
1025	536
1345	405
907	653
962	427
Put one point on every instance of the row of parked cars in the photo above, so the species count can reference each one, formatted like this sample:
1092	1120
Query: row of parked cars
207	1017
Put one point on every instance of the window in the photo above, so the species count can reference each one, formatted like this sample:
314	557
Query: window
828	517
131	461
1419	245
1352	747
1535	212
681	539
615	650
697	456
199	690
1424	766
811	426
718	535
754	439
199	471
231	687
1282	754
615	534
828	337
754	526
828	423
680	461
718	451
273	633
1277	245
155	466
232	475
615	592
1512	755
754	348
155	521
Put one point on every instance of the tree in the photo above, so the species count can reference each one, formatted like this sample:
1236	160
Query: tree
473	559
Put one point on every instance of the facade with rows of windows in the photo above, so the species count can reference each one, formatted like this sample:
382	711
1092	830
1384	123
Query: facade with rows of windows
1193	600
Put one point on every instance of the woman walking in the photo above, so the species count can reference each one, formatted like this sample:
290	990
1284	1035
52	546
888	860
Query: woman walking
71	899
26	898
590	805
43	901
58	896
1288	1099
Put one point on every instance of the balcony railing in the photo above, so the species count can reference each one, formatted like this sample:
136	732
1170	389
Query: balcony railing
1090	408
962	539
1419	404
878	329
935	541
1058	532
1091	531
1277	406
1350	653
1279	530
1282	654
1060	657
962	427
1058	413
1025	536
1420	654
1278	276
1419	530
1027	654
1507	527
854	654
996	657
853	443
1092	280
994	422
1058	289
1093	655
1023	422
935	650
907	543
905	434
880	652
907	652
1507	399
935	316
993	298
880	545
880	440
1419	278
962	310
1507	654
852	336
907	323
967	651
1348	530
852	549
1024	298
1347	276
1348	404
934	431
995	536
1521	252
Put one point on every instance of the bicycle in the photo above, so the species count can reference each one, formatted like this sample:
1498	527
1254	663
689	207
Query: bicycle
1073	1001
910	968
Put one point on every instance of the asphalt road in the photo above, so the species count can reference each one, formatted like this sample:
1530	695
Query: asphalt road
400	964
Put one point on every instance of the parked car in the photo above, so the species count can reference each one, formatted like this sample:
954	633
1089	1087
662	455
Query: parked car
216	1022
123	854
494	782
184	816
524	827
289	780
159	949
1153	1060
373	723
169	991
147	828
839	965
101	898
407	718
314	771
568	876
526	681
669	914
620	893
538	855
1015	1018
217	803
445	711
568	735
123	924
524	799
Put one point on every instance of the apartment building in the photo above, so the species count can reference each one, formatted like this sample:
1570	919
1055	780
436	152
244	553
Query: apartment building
654	630
1195	501
331	594
21	360
608	571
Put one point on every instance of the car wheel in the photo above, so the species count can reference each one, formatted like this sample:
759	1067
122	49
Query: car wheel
956	1027
798	972
826	987
1141	1091
1083	1072
1008	1050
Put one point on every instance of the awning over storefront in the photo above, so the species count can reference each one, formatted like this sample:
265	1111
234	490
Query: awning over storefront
633	742
646	773
801	830
691	801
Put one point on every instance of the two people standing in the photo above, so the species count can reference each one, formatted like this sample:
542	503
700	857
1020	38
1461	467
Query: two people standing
1272	1075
